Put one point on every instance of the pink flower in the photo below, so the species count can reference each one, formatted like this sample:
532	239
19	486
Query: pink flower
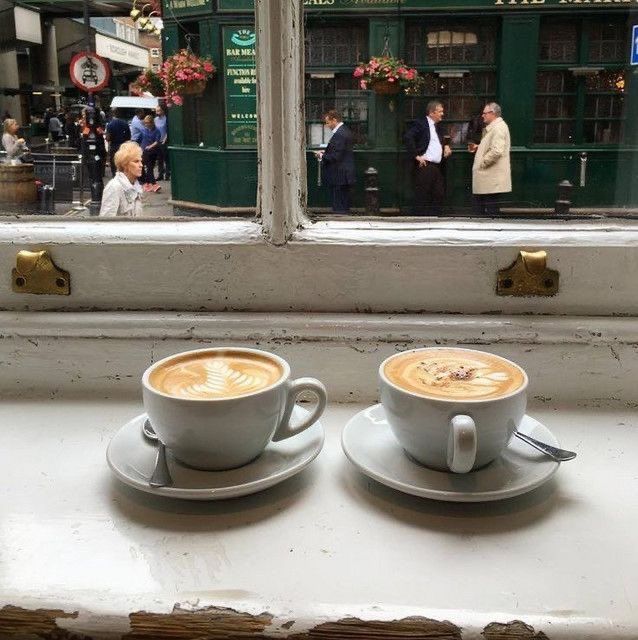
363	84
177	100
358	72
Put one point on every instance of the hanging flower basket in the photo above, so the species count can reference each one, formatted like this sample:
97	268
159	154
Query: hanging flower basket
185	73
194	88
386	88
387	76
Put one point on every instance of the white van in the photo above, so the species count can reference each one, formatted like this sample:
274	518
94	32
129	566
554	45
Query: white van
134	102
128	105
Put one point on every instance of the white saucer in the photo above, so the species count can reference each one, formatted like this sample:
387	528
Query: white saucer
131	457
370	445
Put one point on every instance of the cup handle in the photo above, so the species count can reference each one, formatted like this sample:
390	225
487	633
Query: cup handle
285	429
461	445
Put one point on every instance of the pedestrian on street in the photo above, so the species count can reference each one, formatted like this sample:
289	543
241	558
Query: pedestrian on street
491	171
427	150
137	126
338	162
123	194
117	133
15	147
163	168
55	128
150	146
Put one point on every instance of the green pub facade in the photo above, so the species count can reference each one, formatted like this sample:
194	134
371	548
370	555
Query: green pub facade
559	68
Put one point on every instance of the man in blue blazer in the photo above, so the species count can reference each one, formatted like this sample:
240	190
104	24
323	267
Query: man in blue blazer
427	151
338	162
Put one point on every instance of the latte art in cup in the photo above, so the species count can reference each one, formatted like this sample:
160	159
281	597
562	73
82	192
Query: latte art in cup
454	374
211	375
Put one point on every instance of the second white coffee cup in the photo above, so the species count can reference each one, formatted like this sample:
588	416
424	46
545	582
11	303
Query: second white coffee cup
452	409
218	408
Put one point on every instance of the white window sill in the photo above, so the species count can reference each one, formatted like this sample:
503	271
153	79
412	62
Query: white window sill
83	553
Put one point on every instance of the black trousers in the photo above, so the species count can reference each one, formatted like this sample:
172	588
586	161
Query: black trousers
486	204
341	198
163	169
149	156
429	190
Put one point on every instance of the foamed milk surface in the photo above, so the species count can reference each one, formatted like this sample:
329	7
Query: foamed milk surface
454	374
222	375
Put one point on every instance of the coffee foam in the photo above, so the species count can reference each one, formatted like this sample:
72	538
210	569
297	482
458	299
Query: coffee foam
454	374
210	375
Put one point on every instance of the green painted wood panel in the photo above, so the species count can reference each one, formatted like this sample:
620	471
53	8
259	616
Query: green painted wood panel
517	75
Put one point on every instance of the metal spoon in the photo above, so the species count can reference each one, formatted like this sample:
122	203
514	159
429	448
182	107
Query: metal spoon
561	455
161	476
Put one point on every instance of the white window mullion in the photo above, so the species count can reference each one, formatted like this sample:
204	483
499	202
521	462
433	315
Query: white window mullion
282	194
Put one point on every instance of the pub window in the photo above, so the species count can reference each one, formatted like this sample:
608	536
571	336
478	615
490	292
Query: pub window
580	82
334	46
331	52
458	61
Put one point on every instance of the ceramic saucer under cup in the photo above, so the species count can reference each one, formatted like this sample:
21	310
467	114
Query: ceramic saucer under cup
370	445
131	457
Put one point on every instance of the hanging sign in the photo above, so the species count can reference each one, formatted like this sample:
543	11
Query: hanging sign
240	86
89	72
634	45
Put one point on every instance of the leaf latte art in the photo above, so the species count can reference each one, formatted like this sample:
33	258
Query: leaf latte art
454	374
210	376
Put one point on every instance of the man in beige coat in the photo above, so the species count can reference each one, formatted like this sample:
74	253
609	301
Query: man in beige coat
491	172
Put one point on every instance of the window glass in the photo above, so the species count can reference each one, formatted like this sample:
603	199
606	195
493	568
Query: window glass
467	49
561	75
581	82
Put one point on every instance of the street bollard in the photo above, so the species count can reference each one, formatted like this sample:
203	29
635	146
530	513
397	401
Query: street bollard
372	191
563	202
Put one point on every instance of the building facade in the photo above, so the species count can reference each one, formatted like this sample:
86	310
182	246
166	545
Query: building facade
559	68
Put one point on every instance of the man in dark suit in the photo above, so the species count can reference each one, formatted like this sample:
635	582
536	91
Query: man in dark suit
338	162
427	150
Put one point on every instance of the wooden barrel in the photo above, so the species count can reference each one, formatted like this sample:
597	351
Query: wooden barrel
17	183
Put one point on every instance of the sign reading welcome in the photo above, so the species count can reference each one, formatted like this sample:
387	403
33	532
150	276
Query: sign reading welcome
240	84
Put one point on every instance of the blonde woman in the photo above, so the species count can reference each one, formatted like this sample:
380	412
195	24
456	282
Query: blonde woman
13	145
122	196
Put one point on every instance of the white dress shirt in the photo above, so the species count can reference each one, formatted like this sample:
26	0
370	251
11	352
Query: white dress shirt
434	152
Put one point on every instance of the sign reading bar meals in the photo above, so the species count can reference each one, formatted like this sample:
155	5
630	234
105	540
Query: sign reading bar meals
240	84
349	5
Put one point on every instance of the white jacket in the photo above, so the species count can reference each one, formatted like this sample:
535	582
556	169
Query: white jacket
121	198
491	172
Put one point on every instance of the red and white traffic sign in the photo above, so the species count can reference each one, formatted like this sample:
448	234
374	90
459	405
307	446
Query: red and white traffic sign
89	72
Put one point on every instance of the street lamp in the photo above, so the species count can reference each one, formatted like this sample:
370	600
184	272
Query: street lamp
135	12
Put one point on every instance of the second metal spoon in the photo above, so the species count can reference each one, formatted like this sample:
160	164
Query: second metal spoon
561	455
161	476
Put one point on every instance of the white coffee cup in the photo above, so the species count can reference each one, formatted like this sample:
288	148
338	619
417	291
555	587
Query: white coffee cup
452	409
218	408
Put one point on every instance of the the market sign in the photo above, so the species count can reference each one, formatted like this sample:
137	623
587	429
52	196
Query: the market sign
349	5
240	85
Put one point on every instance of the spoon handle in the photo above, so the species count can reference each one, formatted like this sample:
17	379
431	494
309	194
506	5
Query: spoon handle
553	452
161	475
